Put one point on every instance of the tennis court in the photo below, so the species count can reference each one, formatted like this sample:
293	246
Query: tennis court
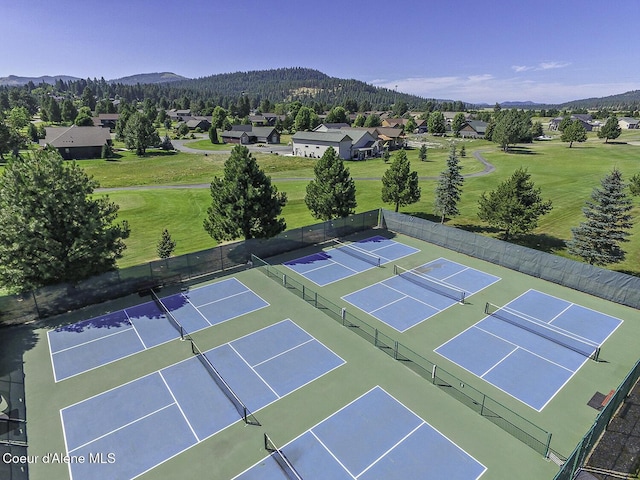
345	260
413	296
89	344
532	346
373	437
183	405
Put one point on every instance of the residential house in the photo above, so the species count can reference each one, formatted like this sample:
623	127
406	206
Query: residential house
584	118
77	142
178	115
314	144
364	144
106	120
473	129
628	123
199	122
251	135
325	127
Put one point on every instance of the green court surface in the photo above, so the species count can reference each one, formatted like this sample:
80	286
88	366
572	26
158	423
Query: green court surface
240	446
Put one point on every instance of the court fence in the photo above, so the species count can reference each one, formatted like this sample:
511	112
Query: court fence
51	300
614	286
514	424
580	455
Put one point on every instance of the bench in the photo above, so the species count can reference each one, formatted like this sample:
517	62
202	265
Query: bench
606	399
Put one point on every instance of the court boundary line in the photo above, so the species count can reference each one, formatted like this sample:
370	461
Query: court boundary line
178	405
242	359
329	451
332	281
497	278
377	460
88	341
144	345
279	354
102	364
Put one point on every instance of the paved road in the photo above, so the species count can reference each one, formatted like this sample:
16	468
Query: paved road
488	168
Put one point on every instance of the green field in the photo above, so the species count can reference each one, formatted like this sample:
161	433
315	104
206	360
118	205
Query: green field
565	175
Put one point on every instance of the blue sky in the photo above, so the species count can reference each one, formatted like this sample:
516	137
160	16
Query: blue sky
475	51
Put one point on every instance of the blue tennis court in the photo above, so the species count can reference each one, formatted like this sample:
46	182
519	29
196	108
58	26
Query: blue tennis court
531	347
92	343
343	261
371	438
411	297
183	405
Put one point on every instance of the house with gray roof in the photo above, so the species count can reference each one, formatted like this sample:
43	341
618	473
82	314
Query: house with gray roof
627	123
473	129
314	144
77	142
254	134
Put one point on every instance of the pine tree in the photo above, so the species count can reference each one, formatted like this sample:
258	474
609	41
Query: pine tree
449	188
610	130
332	194
597	240
243	202
514	206
399	184
166	245
213	135
53	228
422	155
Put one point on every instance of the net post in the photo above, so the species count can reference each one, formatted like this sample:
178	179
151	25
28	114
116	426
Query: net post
266	442
486	308
303	293
375	338
482	405
395	350
284	279
596	354
316	299
433	373
343	315
548	446
245	416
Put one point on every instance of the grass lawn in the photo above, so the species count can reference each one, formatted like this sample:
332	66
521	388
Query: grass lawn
565	175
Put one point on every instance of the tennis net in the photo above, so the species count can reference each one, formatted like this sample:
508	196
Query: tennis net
279	456
242	409
168	314
430	283
356	252
553	334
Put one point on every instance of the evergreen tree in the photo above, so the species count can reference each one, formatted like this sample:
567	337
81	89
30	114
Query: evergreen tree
359	120
69	111
463	151
332	194
575	132
140	134
52	227
611	129
213	135
422	154
166	245
514	206
373	120
55	115
457	123
410	126
399	184
337	115
597	240
449	188
436	123
634	185
243	201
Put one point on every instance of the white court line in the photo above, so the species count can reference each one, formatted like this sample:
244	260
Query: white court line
281	353
88	341
136	330
388	304
329	452
529	351
120	428
499	361
254	371
424	303
222	299
394	446
178	404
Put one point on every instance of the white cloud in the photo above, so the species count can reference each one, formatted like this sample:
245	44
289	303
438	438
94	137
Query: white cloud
541	66
486	88
521	68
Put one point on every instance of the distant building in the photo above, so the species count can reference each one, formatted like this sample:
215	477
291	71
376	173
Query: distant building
314	144
75	142
628	123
